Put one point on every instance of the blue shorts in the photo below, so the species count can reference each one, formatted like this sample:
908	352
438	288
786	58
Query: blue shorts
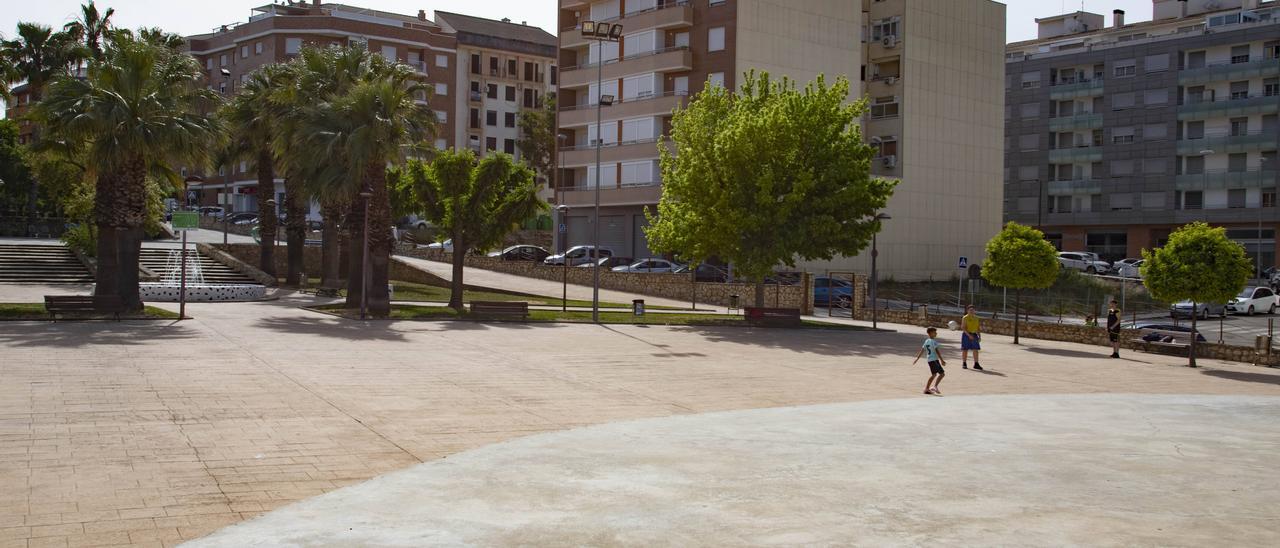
970	342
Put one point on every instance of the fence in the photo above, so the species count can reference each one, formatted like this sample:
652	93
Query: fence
43	227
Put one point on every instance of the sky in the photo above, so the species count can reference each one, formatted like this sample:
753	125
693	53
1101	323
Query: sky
199	16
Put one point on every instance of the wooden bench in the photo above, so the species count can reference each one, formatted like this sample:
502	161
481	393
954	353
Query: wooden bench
1148	345
103	304
507	310
772	317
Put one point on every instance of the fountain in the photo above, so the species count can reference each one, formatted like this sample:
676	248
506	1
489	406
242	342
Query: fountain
198	290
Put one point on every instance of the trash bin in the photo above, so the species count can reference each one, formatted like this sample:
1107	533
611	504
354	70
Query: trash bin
637	307
733	302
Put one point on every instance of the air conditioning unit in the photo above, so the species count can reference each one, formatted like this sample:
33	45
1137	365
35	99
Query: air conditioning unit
891	80
890	161
889	41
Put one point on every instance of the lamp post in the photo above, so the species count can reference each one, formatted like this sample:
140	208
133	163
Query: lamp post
1204	180
600	33
557	239
365	194
564	264
1262	164
875	280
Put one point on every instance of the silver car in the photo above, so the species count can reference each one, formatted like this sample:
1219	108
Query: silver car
1201	310
648	265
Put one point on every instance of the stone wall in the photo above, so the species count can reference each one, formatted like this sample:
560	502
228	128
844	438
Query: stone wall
678	287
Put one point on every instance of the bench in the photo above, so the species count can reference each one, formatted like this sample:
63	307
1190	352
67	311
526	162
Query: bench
1148	345
508	310
99	304
772	317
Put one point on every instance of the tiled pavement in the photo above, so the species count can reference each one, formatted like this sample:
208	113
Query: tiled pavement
148	433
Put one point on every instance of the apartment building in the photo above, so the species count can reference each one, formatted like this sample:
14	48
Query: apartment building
1115	136
503	69
931	70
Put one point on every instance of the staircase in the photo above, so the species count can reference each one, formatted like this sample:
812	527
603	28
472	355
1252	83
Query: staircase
45	264
215	272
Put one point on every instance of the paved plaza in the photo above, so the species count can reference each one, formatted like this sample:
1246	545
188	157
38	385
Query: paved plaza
149	433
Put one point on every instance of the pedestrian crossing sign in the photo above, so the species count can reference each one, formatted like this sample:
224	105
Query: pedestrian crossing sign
964	263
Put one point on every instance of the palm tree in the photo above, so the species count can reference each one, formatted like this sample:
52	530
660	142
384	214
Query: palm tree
37	56
140	110
92	28
250	122
369	127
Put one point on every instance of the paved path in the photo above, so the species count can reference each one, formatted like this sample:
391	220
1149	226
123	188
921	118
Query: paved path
537	286
1109	470
147	433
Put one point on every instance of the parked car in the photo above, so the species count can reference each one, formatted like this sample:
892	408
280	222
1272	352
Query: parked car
833	291
650	265
706	273
1202	310
243	218
1118	265
411	221
215	211
1084	262
578	254
608	263
445	246
521	253
1253	300
1130	270
1166	332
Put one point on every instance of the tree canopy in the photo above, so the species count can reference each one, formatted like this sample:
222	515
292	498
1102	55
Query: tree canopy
538	136
767	175
1020	258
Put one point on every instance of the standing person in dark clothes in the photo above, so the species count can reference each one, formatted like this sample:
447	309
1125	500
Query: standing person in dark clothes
1113	328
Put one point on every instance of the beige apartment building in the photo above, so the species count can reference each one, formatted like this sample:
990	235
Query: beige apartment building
931	71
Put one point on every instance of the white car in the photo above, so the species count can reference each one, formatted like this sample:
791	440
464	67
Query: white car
1253	300
1130	270
577	255
648	265
1116	266
1083	262
445	246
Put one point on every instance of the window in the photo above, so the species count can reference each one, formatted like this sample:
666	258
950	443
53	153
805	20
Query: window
491	143
257	48
1154	97
222	60
1124	69
491	118
531	97
1193	199
1029	142
1195	59
682	40
509	146
442	60
1239	54
442	144
643	42
1155	132
1156	63
640	129
1030	80
510	93
1027	204
292	45
389	53
1152	200
639	87
554	72
1121	201
208	63
1059	204
1121	101
491	91
1028	173
1271	87
442	89
1237	163
1121	168
715	39
512	71
1270	126
1030	110
244	52
884	27
1195	130
885	107
1122	135
475	63
475	118
1154	166
1239	90
1235	198
442	116
509	119
1269	197
1195	165
715	79
493	67
1239	127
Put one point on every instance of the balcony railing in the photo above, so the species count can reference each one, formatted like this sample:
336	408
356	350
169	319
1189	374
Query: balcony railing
1226	70
1226	106
624	100
1075	154
419	66
1084	120
1075	87
592	146
642	54
1229	143
1218	179
475	96
1076	186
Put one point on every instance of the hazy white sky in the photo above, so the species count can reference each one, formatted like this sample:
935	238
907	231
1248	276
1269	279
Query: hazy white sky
198	16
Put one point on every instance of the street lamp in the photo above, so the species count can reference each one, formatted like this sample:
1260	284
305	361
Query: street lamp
564	264
600	33
1262	164
875	280
365	194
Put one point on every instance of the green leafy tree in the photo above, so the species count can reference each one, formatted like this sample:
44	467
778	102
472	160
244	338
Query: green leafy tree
766	175
14	170
475	203
1199	264
538	136
139	111
1020	258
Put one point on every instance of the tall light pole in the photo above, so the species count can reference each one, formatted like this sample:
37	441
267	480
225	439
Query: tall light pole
600	33
564	264
1262	164
365	194
875	280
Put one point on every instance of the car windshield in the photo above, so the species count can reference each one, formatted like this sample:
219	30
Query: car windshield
1247	293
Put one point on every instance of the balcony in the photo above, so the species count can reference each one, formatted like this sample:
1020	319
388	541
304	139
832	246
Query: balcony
1224	107
585	155
1085	120
670	15
665	60
1229	144
1227	71
625	194
651	105
1075	154
1075	88
1220	179
475	97
1078	186
419	67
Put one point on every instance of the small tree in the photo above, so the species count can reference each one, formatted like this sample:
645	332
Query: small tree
538	136
1020	258
475	202
766	175
1199	264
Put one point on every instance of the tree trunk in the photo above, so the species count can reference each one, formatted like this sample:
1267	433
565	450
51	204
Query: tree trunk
125	206
1191	350
1017	313
380	241
107	279
130	249
295	229
355	252
267	219
759	294
331	250
456	283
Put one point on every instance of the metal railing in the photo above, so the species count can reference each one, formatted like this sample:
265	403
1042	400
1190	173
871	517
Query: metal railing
627	58
592	146
659	7
624	100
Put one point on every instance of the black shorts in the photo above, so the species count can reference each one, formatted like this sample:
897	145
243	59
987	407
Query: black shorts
1114	336
935	367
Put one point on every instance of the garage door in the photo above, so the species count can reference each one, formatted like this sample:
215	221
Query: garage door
641	242
579	230
613	234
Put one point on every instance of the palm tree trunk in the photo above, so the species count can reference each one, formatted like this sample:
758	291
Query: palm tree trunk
295	229
759	294
267	220
355	253
330	250
456	284
379	241
107	277
130	251
130	204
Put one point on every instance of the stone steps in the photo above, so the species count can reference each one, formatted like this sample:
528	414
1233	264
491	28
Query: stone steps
49	264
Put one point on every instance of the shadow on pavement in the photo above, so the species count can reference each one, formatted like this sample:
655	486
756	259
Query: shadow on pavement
827	342
75	334
1065	353
354	330
1243	376
988	372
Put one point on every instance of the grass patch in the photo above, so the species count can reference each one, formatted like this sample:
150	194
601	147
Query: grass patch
416	292
36	311
414	312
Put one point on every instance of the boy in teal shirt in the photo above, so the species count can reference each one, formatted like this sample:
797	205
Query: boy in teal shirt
934	356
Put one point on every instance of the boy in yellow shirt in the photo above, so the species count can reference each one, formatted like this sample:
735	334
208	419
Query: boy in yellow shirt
970	339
